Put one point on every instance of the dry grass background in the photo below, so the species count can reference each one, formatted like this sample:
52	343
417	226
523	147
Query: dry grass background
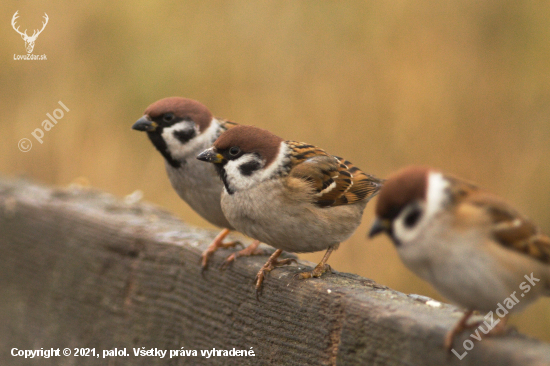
462	86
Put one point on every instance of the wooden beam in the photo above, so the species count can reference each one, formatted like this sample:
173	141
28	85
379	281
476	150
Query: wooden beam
82	269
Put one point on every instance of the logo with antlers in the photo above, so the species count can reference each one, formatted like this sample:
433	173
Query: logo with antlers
29	41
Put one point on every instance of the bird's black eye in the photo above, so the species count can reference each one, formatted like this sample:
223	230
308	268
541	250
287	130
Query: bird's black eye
168	117
412	217
234	151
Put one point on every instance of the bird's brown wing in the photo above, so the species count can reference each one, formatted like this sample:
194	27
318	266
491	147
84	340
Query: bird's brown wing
335	180
509	228
226	124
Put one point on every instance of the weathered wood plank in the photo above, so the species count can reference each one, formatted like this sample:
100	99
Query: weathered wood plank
80	268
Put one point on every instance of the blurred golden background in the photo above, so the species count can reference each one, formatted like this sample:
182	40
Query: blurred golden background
461	86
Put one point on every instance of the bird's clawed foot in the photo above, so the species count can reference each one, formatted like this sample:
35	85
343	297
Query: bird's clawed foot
457	329
321	268
317	272
271	263
250	250
215	245
498	329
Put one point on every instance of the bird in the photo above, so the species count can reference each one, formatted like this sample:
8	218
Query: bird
471	245
291	195
180	128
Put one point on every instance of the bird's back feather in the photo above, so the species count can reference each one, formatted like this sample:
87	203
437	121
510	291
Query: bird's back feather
508	227
336	181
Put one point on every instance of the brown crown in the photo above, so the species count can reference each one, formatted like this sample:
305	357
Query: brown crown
251	139
401	188
182	108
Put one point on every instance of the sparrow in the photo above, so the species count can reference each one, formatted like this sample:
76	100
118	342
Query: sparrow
180	128
471	245
291	195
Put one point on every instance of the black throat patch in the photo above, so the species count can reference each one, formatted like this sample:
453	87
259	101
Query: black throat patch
220	169
161	146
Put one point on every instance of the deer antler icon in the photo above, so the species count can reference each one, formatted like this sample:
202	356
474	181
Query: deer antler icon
29	41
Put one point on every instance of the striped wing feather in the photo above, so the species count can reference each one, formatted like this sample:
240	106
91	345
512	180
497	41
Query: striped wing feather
336	181
226	124
510	229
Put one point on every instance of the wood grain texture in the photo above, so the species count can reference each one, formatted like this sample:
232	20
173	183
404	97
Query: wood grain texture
81	268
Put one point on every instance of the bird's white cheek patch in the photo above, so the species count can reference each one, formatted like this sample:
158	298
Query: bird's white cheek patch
435	201
176	148
278	163
181	150
236	180
407	234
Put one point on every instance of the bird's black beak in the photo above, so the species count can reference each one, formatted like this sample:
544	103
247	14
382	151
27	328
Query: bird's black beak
211	156
379	226
145	124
